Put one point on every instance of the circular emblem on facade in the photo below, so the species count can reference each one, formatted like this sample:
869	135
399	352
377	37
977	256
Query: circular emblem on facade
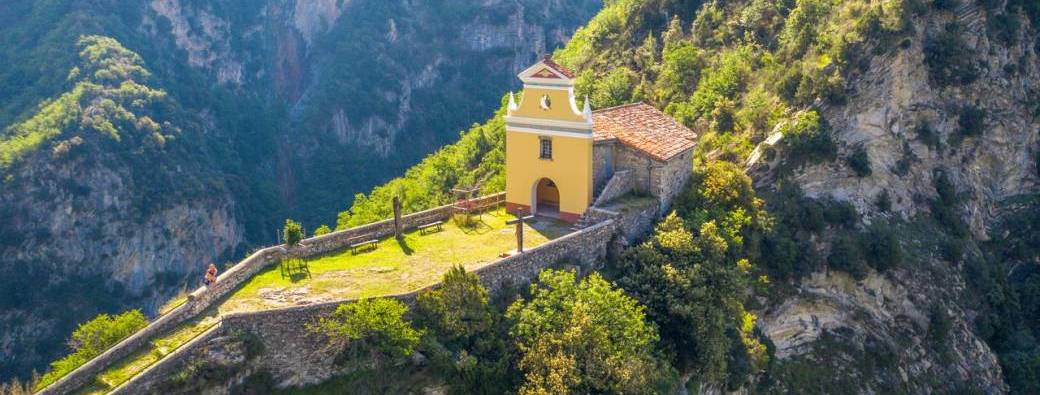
545	103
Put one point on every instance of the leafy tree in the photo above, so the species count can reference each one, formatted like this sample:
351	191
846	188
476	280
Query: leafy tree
293	233
466	339
91	339
720	191
458	309
373	326
582	337
692	291
680	70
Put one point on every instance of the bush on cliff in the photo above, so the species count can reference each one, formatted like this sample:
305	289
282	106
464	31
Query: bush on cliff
322	230
583	337
370	328
466	338
91	339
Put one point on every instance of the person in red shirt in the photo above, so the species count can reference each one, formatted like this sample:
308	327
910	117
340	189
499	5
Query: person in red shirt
211	274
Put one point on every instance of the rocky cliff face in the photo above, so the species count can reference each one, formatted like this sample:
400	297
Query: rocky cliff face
912	130
358	78
895	100
78	243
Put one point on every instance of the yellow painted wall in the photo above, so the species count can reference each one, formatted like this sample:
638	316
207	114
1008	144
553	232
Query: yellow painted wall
560	110
570	168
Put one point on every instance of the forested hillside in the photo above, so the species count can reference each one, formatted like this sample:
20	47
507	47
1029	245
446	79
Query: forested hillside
142	140
887	237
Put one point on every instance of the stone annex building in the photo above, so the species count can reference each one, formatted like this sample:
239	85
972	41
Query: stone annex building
561	160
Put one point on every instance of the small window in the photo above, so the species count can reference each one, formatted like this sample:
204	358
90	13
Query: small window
546	148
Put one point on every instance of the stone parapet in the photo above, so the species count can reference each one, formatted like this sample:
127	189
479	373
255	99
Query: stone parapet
296	356
204	297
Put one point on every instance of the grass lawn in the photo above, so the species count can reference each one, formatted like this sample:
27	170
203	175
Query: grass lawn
392	267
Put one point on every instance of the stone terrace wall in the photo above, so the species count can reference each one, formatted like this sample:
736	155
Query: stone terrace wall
297	357
203	297
164	370
620	184
340	239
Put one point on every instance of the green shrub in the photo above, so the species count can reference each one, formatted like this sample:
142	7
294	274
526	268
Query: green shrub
322	230
458	309
847	256
859	162
927	135
370	328
598	327
293	232
939	325
883	201
808	139
971	121
949	60
945	206
840	213
883	250
91	339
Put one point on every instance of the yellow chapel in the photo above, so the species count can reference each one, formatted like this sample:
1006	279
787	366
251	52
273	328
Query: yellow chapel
548	146
561	160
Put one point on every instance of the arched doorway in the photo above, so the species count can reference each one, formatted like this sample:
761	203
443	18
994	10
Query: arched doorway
546	198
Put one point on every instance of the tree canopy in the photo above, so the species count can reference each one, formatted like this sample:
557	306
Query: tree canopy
582	337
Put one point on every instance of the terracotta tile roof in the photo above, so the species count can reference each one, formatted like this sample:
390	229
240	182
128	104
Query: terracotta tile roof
547	60
643	127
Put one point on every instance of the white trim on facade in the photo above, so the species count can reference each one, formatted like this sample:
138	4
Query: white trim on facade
549	123
547	84
547	132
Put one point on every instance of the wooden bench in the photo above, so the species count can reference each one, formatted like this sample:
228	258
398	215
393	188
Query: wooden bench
437	224
371	244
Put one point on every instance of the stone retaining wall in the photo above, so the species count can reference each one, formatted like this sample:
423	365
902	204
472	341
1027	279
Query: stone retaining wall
295	357
621	183
158	370
203	297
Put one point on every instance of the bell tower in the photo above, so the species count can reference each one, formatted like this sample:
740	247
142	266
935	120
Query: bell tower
549	164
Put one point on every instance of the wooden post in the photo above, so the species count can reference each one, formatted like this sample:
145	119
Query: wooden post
397	218
519	222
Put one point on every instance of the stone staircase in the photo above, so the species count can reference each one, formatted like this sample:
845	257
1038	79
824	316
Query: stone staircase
584	222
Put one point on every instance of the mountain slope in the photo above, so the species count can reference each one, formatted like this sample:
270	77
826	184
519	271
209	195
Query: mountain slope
263	110
909	147
106	201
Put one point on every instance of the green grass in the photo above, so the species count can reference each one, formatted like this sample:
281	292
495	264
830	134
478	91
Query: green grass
137	362
392	267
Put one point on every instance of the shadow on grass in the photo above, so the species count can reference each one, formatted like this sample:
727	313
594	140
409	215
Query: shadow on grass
295	270
405	248
478	227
